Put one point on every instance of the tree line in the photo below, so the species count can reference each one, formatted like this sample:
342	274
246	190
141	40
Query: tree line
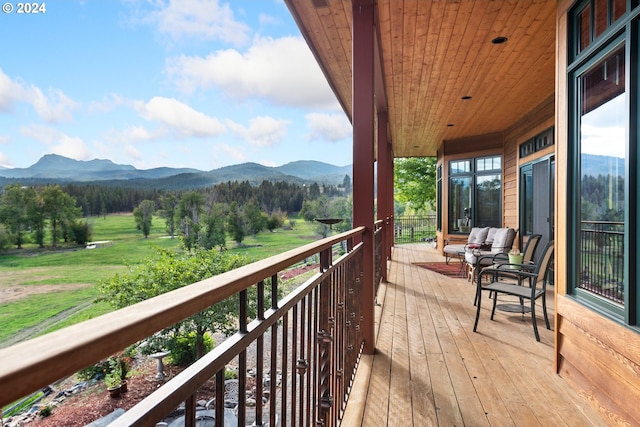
202	217
96	199
205	219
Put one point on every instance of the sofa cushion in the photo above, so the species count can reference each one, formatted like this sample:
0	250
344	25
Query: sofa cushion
503	240
454	249
478	235
491	235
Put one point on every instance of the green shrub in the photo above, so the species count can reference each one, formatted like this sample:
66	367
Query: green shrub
46	411
183	347
80	232
230	374
97	371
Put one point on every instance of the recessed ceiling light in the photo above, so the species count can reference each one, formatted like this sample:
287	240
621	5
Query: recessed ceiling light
466	97
499	40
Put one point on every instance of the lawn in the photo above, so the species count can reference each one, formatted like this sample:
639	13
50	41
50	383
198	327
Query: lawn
44	290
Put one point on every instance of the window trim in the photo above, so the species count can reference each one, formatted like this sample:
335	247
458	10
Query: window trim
473	173
624	32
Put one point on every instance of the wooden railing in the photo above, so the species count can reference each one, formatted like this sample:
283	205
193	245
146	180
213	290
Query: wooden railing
378	252
411	229
313	334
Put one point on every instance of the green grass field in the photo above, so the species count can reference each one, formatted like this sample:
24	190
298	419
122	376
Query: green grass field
44	290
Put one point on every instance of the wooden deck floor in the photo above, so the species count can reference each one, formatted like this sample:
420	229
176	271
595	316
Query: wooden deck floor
431	369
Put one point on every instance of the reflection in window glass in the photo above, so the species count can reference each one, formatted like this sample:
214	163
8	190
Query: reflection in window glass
488	164
460	166
619	9
475	193
488	206
527	195
584	28
603	129
601	21
459	202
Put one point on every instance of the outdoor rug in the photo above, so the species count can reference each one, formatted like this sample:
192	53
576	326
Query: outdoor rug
452	269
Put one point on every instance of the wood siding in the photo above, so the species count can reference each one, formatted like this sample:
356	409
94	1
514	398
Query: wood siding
507	144
597	356
536	121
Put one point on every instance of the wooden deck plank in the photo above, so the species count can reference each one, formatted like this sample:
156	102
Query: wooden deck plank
377	402
400	393
467	394
422	397
445	393
500	381
430	368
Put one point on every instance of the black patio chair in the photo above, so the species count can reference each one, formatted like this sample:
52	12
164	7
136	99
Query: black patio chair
494	261
524	283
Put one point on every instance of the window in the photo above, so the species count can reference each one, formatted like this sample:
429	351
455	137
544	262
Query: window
593	17
475	193
603	207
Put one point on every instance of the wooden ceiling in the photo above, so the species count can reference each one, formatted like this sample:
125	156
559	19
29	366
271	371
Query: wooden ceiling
433	53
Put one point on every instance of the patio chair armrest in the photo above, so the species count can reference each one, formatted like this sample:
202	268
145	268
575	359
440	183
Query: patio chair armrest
505	269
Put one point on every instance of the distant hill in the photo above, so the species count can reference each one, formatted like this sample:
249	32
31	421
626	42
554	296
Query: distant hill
53	168
595	165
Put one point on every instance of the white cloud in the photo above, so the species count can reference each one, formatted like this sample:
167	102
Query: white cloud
603	130
180	117
328	127
53	107
281	70
233	152
58	142
133	152
108	104
263	131
208	19
10	92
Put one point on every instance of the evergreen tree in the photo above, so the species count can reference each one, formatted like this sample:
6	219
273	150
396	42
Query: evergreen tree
190	208
60	209
143	216
214	234
169	205
14	210
235	224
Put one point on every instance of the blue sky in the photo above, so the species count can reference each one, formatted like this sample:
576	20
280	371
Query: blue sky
179	83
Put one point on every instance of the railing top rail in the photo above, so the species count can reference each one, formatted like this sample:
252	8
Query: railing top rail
180	387
41	361
603	222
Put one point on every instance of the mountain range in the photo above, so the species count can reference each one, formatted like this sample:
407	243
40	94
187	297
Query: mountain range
53	168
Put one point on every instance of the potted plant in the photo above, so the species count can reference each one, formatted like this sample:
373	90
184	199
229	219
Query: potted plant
515	257
123	362
113	382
